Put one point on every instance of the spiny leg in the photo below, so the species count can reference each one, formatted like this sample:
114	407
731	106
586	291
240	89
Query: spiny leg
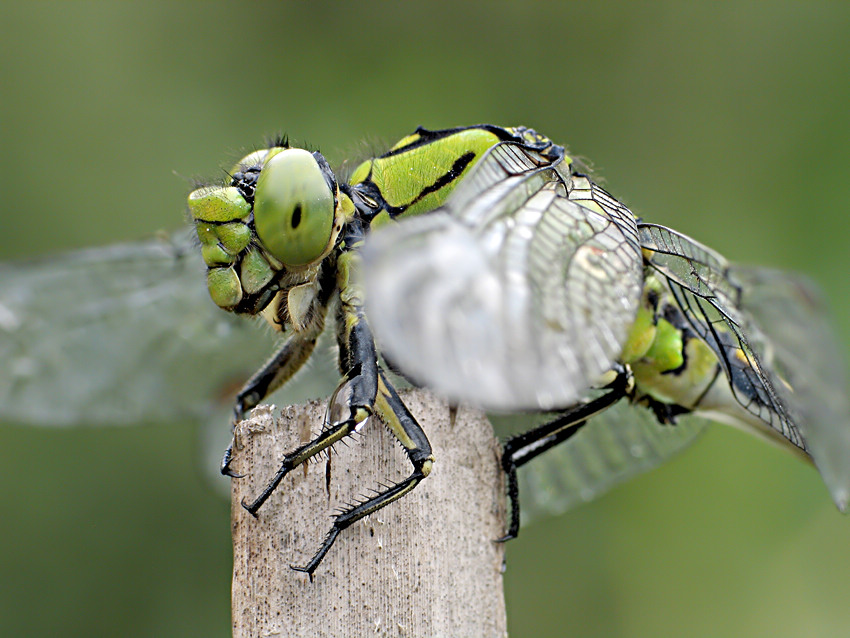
351	404
328	437
302	309
395	415
364	391
275	372
522	448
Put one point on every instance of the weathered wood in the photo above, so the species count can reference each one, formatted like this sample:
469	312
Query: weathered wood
423	566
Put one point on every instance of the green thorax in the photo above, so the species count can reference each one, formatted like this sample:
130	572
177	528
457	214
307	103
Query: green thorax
420	171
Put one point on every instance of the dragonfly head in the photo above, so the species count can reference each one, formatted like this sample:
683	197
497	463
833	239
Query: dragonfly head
281	214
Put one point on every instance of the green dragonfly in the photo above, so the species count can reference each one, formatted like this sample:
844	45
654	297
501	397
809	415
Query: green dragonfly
485	265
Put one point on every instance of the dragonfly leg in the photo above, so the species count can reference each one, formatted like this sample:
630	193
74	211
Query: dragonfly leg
365	391
395	415
522	448
282	365
328	437
351	404
354	399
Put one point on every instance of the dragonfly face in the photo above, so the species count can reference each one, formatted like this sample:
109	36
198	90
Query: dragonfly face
269	229
484	265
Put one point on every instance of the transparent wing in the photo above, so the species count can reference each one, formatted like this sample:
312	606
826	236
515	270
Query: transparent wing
512	295
710	299
803	348
614	446
118	335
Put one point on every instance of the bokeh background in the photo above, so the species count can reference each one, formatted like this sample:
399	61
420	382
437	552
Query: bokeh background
728	121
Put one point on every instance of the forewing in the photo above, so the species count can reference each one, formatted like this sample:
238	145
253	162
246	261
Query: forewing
806	352
118	335
511	296
710	299
614	446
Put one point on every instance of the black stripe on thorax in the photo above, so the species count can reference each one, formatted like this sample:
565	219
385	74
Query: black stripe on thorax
444	180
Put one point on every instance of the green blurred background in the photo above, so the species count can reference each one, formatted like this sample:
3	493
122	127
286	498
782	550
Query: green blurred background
728	121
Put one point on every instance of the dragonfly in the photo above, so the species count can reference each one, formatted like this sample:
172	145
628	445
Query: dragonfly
482	262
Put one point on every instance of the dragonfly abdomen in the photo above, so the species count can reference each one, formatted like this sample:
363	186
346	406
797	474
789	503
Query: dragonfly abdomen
671	364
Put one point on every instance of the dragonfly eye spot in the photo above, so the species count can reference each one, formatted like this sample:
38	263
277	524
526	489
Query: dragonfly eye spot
295	208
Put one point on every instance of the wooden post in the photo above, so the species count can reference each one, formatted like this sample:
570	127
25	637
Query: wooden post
423	566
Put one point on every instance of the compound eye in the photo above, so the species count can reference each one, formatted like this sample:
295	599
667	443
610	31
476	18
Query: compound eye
294	208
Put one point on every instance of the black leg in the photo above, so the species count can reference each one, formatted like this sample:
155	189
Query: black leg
273	374
328	437
364	391
522	448
395	415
